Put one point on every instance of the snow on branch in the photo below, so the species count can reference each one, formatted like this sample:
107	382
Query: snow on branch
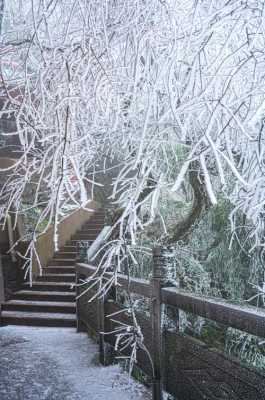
153	86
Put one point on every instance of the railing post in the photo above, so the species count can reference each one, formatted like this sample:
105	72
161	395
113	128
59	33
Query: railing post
80	326
163	275
101	327
77	301
171	279
2	287
156	323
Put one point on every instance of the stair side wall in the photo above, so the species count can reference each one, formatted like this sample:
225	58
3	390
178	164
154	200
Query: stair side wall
67	227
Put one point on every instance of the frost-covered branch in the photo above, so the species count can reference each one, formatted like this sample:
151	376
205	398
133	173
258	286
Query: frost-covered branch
152	86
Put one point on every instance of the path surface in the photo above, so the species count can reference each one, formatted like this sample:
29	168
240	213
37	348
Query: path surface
58	364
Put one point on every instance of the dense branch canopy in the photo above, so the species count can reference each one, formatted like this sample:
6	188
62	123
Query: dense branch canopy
154	85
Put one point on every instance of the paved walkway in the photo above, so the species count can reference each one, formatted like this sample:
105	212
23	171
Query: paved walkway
58	364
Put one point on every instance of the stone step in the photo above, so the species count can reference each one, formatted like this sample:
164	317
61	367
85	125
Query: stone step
100	214
59	269
49	286
85	236
59	277
41	306
89	228
40	295
88	233
96	219
65	255
97	225
38	319
61	261
51	299
74	242
68	249
86	230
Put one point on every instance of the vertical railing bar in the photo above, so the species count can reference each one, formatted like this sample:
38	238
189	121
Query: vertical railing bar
156	325
78	322
80	326
101	328
2	287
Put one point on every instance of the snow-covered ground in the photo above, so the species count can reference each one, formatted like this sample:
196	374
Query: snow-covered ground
58	364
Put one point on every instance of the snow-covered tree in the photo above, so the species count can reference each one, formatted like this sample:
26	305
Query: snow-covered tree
171	91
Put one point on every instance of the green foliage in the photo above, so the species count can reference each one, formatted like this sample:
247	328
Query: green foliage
248	348
140	376
30	219
210	263
220	214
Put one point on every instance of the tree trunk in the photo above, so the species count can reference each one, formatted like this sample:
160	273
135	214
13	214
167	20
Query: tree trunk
200	204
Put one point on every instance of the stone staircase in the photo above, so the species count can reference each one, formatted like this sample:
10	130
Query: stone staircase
51	299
